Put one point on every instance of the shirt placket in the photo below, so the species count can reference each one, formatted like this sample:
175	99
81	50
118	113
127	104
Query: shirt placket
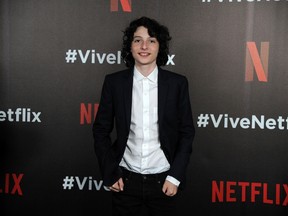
146	121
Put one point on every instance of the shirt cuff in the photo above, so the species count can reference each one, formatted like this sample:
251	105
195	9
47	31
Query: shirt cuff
173	180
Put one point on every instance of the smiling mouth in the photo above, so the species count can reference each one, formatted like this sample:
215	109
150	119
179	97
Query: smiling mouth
144	54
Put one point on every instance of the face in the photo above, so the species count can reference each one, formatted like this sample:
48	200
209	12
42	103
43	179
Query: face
144	48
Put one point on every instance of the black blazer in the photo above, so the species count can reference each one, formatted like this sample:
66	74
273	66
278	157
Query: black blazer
176	129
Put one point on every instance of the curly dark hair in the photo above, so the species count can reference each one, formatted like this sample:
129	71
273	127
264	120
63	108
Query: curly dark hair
160	32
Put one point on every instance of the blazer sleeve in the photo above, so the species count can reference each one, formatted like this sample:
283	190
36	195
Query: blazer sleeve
102	129
185	133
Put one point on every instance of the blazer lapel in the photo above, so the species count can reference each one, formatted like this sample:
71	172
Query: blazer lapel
127	85
162	94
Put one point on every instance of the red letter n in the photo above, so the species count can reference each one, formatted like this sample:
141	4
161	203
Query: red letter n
86	113
126	5
260	63
217	192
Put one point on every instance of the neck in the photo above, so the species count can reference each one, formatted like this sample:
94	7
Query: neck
145	70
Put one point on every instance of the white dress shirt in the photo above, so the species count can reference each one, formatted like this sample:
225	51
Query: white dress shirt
143	153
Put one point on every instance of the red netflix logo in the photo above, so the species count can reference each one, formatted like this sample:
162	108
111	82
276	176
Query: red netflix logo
232	191
12	184
126	5
259	62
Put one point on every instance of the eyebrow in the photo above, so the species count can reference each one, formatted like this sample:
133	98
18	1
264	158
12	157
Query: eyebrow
136	36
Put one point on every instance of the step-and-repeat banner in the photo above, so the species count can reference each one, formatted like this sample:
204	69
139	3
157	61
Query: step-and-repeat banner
54	56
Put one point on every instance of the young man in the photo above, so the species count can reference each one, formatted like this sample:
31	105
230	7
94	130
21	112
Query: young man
151	110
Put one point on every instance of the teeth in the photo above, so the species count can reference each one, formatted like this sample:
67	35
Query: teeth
144	54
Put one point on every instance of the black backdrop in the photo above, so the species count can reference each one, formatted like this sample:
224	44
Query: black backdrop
54	56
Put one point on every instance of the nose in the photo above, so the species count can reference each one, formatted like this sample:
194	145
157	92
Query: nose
144	45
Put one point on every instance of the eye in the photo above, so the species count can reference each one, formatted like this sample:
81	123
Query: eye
136	40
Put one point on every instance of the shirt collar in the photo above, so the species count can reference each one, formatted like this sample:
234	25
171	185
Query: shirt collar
153	76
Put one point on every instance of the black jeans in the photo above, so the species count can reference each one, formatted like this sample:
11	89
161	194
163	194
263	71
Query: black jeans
142	195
